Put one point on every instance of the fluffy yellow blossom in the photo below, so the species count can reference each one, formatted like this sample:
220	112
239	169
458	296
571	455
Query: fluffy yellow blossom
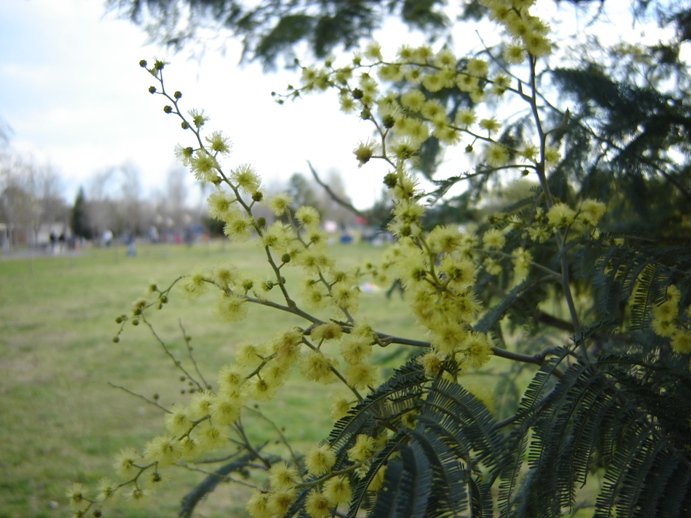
162	449
327	331
493	239
208	436
258	506
218	143
496	155
444	238
413	99
232	308
204	166
476	349
467	82
514	54
126	463
433	110
448	336
492	266
361	375
490	124
560	215
225	409
279	204
337	490
317	505
76	494
177	421
308	216
315	366
552	155
278	502
373	51
200	405
521	263
220	203
282	476
681	341
238	227
459	271
433	82
246	178
431	362
465	117
340	406
106	489
354	349
363	448
319	459
591	212
477	67
229	380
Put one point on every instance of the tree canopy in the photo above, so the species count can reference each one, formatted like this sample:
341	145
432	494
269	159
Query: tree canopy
568	284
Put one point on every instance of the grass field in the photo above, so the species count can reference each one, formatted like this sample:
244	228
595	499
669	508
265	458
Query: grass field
61	421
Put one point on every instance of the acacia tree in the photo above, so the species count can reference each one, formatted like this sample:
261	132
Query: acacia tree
605	313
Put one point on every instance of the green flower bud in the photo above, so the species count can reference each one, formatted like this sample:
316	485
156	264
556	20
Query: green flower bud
358	94
142	63
390	180
177	94
261	221
152	89
168	109
285	258
158	65
257	196
389	121
184	125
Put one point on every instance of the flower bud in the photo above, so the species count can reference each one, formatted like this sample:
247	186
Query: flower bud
257	196
184	125
358	94
261	221
389	121
177	94
390	180
152	89
168	109
142	63
285	258
158	65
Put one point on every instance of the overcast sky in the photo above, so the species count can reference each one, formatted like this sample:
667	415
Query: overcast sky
74	95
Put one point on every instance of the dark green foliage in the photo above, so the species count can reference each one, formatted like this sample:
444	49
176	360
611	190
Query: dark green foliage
79	217
273	28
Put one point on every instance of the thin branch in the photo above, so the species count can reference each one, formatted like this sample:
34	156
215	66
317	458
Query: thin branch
151	402
334	196
189	352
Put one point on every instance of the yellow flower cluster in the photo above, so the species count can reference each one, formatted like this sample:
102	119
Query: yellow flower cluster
528	31
668	322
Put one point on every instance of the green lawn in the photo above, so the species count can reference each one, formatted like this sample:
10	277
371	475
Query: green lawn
61	421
